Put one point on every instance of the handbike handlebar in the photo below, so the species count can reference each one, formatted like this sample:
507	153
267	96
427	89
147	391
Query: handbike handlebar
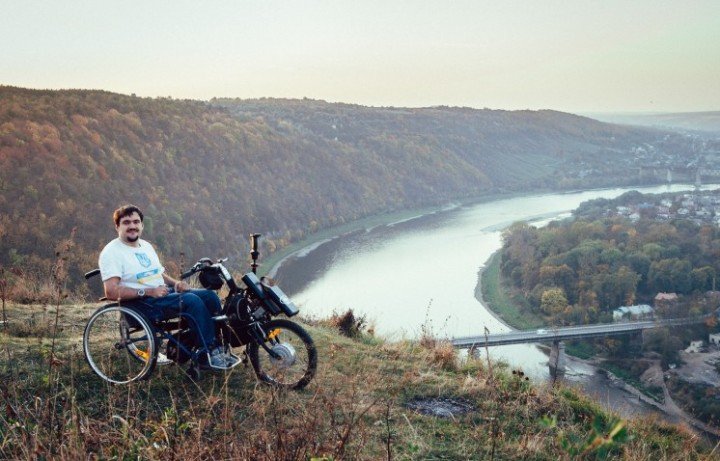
187	274
199	266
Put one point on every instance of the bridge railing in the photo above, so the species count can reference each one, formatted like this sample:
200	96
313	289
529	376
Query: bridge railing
564	333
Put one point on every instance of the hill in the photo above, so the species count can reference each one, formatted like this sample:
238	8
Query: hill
208	173
370	400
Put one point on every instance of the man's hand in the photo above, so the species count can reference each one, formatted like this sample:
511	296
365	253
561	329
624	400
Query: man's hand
181	286
157	292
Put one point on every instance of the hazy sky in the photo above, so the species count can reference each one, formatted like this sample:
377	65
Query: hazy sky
571	55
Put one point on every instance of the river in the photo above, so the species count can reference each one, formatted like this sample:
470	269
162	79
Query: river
420	274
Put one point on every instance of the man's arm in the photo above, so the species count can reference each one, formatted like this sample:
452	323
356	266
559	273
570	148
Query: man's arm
114	291
178	285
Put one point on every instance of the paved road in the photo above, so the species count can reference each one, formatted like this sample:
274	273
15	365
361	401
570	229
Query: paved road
566	333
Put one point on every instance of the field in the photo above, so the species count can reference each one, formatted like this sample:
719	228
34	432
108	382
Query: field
371	399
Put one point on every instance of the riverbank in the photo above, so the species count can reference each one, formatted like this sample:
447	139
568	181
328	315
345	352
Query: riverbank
490	293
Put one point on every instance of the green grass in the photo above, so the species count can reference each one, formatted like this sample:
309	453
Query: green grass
354	409
512	310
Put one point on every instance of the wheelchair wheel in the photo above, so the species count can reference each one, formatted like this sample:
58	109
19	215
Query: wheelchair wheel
120	345
297	361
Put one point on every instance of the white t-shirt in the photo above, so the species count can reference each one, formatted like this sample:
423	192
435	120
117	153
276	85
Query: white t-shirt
137	267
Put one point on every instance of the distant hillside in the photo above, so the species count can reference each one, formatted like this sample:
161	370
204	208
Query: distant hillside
693	121
208	173
514	149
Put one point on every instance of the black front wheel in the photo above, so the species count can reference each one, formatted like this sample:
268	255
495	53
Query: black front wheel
297	361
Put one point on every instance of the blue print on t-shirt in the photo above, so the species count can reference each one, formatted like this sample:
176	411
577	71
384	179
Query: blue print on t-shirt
150	278
143	259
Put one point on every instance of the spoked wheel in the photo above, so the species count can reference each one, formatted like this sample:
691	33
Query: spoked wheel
119	345
297	360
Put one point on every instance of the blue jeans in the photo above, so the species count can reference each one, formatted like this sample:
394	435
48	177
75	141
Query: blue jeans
201	305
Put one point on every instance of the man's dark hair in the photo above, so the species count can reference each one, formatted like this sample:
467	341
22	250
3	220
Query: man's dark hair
126	210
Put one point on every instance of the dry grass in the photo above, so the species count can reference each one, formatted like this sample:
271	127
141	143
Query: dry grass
355	408
31	289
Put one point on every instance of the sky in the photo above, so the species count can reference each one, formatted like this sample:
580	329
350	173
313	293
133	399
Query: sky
577	56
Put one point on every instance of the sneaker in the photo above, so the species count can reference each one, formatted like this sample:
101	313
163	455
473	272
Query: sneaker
217	359
231	360
163	359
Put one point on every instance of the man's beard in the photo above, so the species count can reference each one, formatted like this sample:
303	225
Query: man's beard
133	239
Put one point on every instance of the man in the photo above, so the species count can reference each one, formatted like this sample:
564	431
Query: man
132	274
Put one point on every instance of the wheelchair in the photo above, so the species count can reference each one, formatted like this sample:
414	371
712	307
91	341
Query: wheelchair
122	345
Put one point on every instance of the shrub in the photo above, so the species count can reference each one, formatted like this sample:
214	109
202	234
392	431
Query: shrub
348	324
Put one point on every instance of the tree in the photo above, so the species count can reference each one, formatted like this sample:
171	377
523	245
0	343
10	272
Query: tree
670	275
702	278
553	301
559	276
616	288
640	264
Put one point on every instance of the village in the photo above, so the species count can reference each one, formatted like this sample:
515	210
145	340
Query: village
680	156
698	207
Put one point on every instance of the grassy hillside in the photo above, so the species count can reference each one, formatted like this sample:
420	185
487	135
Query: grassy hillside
365	403
209	173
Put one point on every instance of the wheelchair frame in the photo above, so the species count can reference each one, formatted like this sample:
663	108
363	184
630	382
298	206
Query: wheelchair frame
135	327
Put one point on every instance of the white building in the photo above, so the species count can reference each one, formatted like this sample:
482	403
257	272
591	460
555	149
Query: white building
640	311
694	347
714	339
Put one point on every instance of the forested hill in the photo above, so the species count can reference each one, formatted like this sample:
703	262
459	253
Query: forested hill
208	173
515	149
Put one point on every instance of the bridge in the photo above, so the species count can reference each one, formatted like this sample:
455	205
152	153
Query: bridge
556	336
552	334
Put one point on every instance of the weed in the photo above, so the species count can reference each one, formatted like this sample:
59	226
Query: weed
348	324
427	334
442	352
3	295
59	278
